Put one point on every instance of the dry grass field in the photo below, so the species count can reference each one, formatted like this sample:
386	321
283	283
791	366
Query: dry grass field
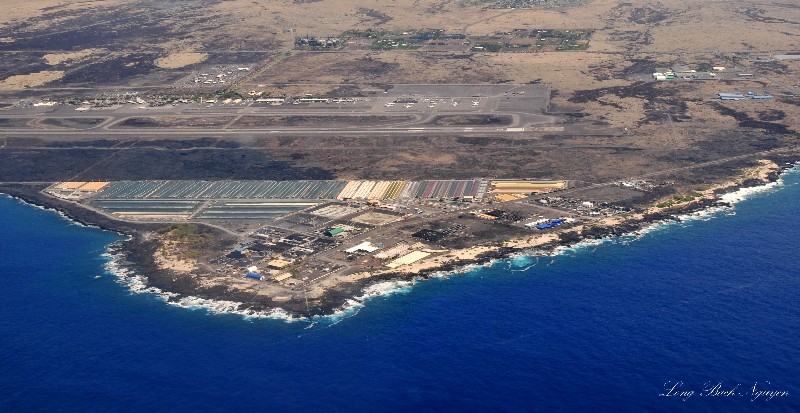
178	35
15	11
178	60
383	68
18	82
50	45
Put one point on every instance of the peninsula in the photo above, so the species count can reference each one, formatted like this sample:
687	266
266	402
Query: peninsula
291	169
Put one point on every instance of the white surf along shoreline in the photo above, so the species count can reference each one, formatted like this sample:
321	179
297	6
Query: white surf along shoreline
519	262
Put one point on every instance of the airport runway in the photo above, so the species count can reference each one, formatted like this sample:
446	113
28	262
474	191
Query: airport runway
404	109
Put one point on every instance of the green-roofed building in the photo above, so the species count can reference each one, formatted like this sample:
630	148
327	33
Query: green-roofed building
334	232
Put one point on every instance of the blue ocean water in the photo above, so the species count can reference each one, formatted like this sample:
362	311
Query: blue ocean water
608	327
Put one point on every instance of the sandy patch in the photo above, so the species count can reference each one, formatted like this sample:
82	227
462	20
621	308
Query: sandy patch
178	60
445	158
332	17
30	80
765	169
16	10
58	58
533	241
583	17
761	172
563	70
168	258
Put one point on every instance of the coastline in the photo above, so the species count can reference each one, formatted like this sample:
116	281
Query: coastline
132	260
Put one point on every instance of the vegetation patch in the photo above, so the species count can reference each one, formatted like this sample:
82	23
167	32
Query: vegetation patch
185	233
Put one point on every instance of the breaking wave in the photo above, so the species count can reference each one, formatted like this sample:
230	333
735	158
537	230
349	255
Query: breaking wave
520	262
137	284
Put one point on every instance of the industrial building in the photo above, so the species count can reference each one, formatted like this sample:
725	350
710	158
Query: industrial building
684	72
731	96
741	96
365	246
335	232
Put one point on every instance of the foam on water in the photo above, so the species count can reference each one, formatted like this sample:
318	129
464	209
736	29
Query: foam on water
745	193
138	284
731	198
518	263
521	261
56	211
381	289
465	270
601	325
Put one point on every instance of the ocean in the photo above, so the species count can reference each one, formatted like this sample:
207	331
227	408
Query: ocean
688	316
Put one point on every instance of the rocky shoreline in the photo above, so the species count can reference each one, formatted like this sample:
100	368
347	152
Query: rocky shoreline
136	253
